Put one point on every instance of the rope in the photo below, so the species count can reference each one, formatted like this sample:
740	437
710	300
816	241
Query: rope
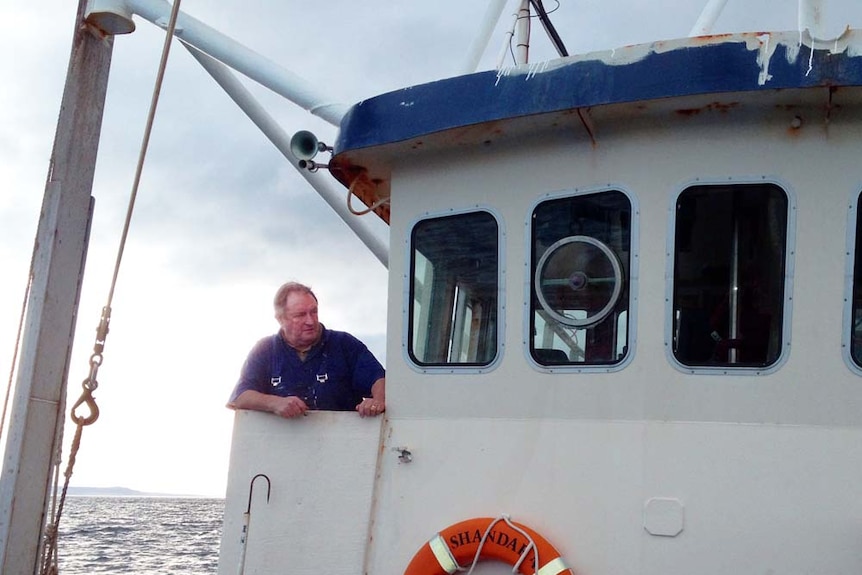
351	192
527	549
17	345
27	289
49	566
90	384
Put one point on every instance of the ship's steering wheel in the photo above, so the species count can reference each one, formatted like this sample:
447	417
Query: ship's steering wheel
582	271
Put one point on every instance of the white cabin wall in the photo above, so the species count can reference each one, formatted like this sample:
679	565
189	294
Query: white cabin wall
764	468
753	498
577	494
653	165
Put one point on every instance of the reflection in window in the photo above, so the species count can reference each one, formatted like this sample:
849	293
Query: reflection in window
856	311
728	284
453	290
581	259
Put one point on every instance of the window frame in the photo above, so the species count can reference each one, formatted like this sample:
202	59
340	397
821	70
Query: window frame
789	273
853	213
407	308
631	279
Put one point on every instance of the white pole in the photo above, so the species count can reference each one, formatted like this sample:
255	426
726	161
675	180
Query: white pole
244	60
522	50
243	542
811	17
708	16
324	184
480	44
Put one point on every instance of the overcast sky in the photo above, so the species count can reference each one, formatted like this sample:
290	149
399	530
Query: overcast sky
222	219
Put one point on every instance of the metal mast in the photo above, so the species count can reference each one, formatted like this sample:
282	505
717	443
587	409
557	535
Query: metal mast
58	264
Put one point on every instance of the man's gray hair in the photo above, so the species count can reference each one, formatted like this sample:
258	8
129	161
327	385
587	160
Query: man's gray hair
285	290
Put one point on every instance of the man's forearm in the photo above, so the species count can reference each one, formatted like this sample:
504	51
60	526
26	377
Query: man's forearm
378	390
251	399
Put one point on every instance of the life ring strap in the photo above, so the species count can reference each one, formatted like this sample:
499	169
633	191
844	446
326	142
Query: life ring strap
553	567
443	554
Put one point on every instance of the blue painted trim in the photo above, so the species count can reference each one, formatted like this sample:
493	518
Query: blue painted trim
484	97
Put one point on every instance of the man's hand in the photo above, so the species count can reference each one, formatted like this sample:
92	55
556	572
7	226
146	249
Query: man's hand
288	407
282	406
370	407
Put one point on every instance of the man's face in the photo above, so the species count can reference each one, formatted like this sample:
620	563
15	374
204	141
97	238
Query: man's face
299	323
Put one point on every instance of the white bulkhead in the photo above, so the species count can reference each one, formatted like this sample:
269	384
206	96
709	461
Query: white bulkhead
702	410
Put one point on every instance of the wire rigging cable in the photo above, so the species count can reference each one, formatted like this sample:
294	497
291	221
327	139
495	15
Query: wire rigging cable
17	346
543	15
549	27
90	384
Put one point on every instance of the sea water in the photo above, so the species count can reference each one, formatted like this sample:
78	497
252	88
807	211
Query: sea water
142	535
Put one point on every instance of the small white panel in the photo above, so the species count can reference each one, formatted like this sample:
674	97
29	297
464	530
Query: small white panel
321	468
664	517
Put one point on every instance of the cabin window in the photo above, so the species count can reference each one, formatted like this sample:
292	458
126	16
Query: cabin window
581	270
856	306
454	286
730	246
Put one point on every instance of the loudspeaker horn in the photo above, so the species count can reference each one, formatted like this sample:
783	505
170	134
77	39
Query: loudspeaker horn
304	145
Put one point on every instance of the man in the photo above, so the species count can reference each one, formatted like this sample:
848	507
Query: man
306	366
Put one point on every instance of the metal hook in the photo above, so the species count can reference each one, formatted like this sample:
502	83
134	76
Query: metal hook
88	399
251	489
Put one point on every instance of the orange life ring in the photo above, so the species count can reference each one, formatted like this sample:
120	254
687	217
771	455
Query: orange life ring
455	548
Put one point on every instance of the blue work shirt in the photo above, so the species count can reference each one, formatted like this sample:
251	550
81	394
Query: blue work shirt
338	371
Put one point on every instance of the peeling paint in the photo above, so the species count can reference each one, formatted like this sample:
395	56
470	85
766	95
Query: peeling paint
505	71
746	63
764	44
792	51
764	55
537	68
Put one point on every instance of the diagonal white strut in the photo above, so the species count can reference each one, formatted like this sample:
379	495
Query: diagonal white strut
707	18
115	17
216	52
810	15
326	187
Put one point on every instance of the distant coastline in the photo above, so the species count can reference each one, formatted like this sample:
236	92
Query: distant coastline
125	492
